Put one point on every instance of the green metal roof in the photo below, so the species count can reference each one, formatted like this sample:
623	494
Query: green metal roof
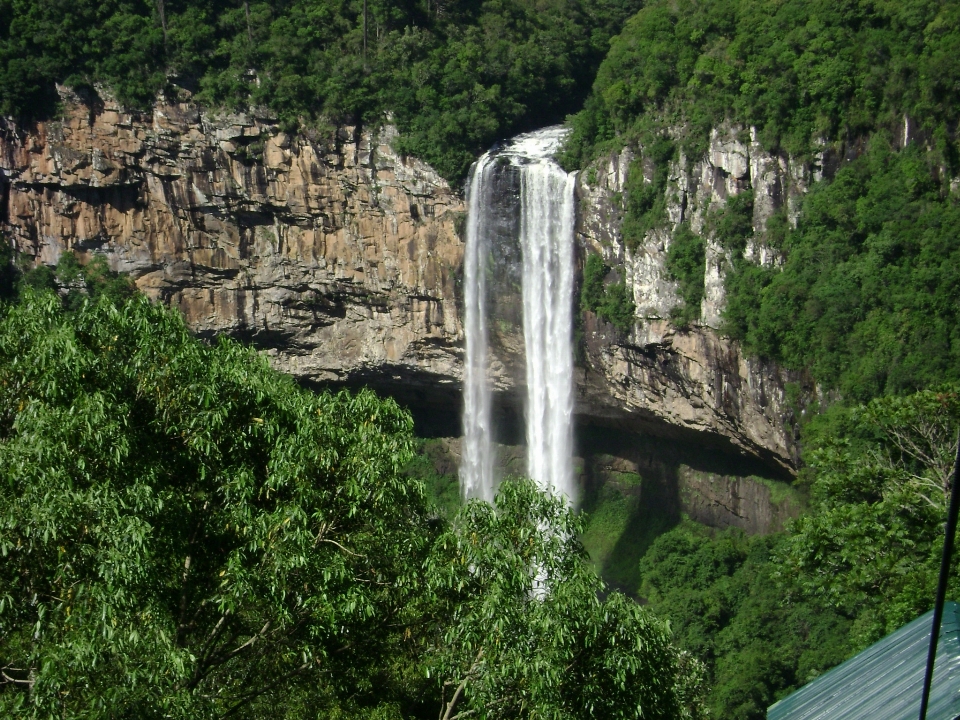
884	682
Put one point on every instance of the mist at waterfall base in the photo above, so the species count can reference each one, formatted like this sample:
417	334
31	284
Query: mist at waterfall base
544	201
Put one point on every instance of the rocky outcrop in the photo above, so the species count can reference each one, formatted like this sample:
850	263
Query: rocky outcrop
756	506
692	377
341	259
328	249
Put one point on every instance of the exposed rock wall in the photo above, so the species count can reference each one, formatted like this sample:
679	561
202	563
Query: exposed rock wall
342	259
332	251
693	377
747	503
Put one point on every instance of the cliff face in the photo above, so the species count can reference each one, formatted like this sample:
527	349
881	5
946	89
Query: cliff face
342	260
332	252
693	378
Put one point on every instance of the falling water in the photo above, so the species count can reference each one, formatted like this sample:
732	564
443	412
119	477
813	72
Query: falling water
546	227
546	236
476	467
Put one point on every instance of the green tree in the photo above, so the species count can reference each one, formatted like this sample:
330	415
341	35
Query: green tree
456	76
529	636
720	593
867	298
871	546
186	532
686	263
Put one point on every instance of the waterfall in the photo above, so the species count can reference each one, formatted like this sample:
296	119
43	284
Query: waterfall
545	236
476	466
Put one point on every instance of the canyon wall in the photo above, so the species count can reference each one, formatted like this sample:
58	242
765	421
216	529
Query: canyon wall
328	250
342	260
691	377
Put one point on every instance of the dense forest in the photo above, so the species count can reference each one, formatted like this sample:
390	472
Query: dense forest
113	416
865	299
864	303
187	533
455	75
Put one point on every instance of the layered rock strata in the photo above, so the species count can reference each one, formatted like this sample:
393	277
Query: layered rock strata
342	260
329	250
693	377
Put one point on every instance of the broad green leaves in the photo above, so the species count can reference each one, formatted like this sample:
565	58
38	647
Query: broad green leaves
183	527
871	546
186	533
530	636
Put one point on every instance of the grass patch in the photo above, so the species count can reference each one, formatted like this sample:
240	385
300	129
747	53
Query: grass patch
621	525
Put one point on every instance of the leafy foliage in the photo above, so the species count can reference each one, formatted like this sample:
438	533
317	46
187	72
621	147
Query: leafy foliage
768	614
646	203
720	593
455	74
531	636
797	71
868	296
185	531
867	299
74	281
612	302
872	545
686	263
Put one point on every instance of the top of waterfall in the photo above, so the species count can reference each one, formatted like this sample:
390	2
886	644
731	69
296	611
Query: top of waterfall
540	144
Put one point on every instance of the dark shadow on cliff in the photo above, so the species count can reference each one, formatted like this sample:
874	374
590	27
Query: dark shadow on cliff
631	492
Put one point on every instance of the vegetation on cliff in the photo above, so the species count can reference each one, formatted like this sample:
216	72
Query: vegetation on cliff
725	601
768	614
455	75
611	302
800	72
862	298
866	299
187	533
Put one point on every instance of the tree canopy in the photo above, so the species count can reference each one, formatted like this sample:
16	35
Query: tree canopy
800	71
188	533
185	531
455	74
866	298
768	614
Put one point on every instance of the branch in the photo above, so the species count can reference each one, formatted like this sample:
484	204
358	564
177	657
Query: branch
8	679
459	691
182	625
251	641
334	542
244	699
324	529
203	663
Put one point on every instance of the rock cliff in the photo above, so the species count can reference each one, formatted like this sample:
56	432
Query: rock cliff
691	377
342	260
330	251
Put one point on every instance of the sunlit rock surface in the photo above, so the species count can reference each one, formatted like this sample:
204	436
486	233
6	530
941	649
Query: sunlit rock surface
343	261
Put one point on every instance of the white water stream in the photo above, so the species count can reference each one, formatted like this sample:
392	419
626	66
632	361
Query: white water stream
476	465
546	207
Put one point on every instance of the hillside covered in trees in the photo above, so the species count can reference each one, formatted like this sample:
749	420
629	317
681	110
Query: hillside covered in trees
455	75
372	606
863	301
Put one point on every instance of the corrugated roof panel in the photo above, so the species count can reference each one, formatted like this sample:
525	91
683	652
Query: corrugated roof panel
884	681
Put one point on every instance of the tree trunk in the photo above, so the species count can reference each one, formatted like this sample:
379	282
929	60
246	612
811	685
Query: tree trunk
161	8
